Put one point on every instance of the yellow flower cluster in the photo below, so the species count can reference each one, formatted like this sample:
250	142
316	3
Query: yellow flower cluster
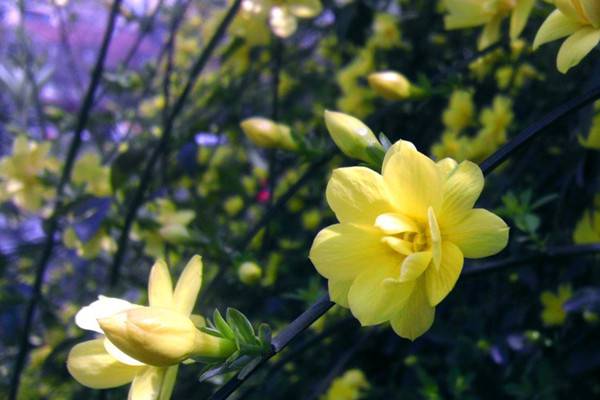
398	248
89	172
494	123
145	344
21	174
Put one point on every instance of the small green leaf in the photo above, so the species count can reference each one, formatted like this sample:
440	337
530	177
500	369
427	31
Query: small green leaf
241	326
211	331
222	326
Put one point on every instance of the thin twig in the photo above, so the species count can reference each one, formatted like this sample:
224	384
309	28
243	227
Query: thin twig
138	197
82	120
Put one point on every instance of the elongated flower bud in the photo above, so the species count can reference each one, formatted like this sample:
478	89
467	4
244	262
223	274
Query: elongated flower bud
390	85
352	136
161	337
268	134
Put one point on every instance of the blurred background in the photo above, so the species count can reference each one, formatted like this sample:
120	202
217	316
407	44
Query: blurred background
154	177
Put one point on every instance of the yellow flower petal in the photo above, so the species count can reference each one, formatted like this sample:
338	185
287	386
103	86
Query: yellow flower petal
393	150
160	287
188	286
376	294
591	9
338	292
147	384
480	234
393	223
87	317
568	8
401	246
92	366
436	239
461	190
577	46
414	181
417	315
357	195
490	33
306	8
439	283
118	355
446	166
340	252
519	17
414	265
556	26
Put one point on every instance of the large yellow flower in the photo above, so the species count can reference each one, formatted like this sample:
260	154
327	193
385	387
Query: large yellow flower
144	345
489	14
399	246
578	19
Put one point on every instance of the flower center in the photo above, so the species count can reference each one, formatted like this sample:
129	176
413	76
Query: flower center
404	235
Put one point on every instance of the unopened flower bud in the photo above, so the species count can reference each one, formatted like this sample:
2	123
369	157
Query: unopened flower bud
390	85
161	337
268	134
352	136
249	273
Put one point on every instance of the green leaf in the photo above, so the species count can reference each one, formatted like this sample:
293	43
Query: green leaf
211	331
241	326
222	326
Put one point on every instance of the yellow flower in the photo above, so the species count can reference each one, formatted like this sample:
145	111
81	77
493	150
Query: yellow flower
144	345
489	14
21	173
268	134
282	16
390	85
587	230
398	249
347	387
577	19
593	139
459	113
89	171
553	312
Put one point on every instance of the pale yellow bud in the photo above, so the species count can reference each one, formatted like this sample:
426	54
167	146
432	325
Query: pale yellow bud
268	134
351	135
161	336
390	85
249	273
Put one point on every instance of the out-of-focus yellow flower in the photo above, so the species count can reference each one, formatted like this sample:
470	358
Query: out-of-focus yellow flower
144	345
21	173
89	171
390	85
593	139
101	241
587	230
496	119
249	273
268	134
489	14
398	249
352	136
282	17
349	386
233	205
577	19
553	312
311	219
460	111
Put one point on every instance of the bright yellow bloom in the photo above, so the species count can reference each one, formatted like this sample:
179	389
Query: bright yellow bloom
553	312
282	16
144	345
398	249
390	85
347	387
489	14
89	171
577	19
21	173
268	134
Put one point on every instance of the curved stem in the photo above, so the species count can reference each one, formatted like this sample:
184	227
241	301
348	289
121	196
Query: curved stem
138	197
82	120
